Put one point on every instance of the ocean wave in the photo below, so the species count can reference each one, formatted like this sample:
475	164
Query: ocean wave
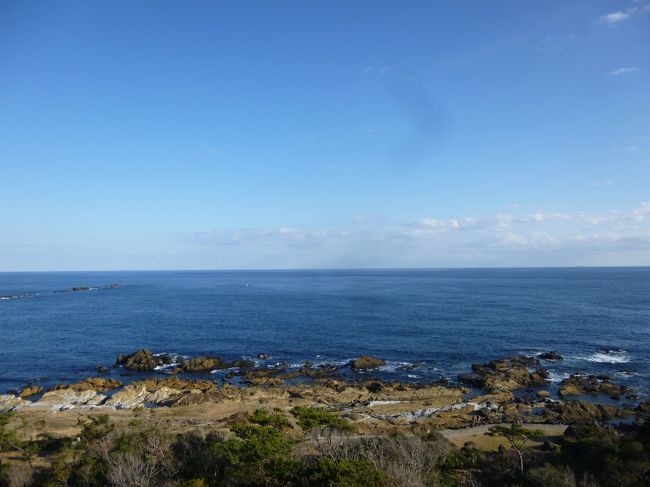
556	377
174	361
396	366
612	356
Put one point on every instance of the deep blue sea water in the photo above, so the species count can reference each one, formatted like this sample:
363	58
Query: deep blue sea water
440	320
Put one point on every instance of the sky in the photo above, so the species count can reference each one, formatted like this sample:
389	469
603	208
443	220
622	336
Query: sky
323	134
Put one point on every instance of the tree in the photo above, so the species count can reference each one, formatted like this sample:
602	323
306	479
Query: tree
517	436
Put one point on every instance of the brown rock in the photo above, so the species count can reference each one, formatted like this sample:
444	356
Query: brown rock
366	362
202	364
30	391
141	360
577	385
99	384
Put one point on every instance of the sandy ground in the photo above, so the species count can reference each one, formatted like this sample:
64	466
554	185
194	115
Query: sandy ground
478	435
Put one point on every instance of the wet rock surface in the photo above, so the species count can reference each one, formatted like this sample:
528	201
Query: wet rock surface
578	385
29	391
506	374
366	362
552	355
512	391
143	360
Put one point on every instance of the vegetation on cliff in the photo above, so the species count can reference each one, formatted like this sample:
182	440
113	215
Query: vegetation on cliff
262	449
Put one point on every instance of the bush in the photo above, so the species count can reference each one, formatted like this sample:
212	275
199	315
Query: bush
549	476
265	418
310	418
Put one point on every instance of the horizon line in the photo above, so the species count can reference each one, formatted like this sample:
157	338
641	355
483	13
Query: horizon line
299	269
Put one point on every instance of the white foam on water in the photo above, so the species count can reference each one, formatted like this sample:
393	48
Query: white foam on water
393	366
556	377
609	357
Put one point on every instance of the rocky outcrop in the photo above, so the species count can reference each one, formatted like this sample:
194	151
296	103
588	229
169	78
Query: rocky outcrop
178	384
506	374
552	355
142	360
366	362
208	364
130	397
160	392
9	402
578	385
202	364
63	399
581	412
30	391
99	384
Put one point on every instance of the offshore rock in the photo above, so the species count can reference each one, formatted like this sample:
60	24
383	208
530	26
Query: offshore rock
552	355
207	364
366	362
142	360
577	385
202	364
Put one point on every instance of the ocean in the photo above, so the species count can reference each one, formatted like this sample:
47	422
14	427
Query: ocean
427	324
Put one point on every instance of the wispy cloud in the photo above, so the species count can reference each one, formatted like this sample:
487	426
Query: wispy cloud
620	71
619	16
434	241
616	17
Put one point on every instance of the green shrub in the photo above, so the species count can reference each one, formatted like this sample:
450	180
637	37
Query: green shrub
263	417
310	418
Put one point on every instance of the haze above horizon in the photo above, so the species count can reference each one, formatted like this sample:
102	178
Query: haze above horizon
269	135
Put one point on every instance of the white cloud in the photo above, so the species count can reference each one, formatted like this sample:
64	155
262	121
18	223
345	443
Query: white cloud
539	238
620	71
616	17
619	16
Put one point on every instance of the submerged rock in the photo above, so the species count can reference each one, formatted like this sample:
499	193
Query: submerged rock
366	362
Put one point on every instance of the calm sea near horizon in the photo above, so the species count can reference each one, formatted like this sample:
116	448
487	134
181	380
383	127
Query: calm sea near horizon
427	324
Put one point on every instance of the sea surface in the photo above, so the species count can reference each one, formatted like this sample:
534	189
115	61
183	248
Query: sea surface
427	324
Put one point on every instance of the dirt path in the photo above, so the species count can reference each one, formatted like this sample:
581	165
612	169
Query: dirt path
478	435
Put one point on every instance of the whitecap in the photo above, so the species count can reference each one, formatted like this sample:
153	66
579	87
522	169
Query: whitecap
394	366
609	357
556	377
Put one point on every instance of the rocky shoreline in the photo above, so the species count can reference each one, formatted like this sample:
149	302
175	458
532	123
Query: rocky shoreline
506	390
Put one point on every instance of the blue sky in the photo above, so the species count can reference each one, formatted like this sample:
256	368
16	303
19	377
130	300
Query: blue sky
292	134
